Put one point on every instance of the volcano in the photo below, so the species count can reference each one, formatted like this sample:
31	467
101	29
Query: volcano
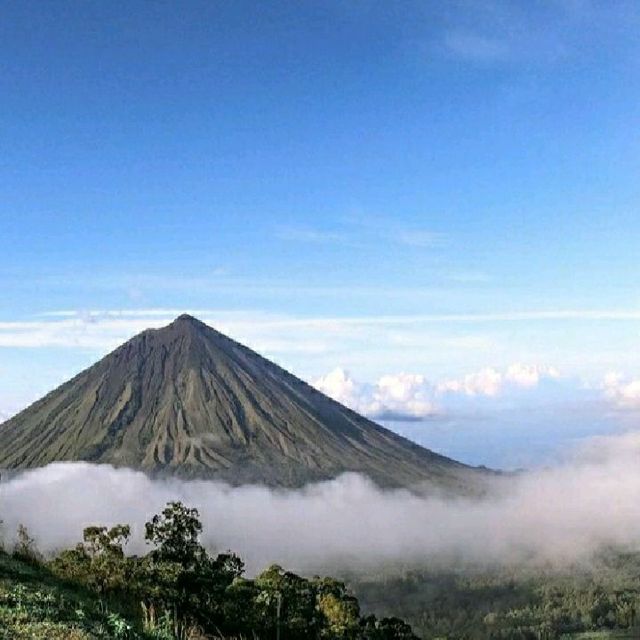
186	400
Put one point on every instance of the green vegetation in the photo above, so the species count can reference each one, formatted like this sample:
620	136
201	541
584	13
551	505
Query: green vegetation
601	602
178	591
35	604
175	592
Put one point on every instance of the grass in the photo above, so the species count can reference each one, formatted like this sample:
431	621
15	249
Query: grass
629	634
35	605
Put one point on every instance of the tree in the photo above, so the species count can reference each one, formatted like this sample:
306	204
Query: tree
179	576
175	534
288	602
386	629
183	590
25	547
99	560
340	610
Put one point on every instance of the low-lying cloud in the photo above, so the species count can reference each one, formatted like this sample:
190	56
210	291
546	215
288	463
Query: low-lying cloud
561	515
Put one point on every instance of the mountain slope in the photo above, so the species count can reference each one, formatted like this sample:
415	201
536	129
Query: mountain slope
189	401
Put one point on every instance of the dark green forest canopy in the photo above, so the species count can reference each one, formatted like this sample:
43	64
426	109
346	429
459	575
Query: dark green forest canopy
601	600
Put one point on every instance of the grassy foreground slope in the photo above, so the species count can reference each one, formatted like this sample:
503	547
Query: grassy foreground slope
606	635
35	604
176	591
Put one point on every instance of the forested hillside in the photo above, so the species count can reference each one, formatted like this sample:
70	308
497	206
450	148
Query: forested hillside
178	591
516	603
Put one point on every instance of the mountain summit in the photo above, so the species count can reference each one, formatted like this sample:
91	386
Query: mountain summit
189	401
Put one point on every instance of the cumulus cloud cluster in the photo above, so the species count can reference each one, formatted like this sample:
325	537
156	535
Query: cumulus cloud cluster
407	396
401	396
308	345
491	381
559	515
622	390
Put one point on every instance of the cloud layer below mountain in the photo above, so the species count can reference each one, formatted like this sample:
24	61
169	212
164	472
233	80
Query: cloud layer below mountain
558	516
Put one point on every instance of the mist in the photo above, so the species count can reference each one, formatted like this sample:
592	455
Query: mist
556	516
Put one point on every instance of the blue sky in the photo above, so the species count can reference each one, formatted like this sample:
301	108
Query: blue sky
435	189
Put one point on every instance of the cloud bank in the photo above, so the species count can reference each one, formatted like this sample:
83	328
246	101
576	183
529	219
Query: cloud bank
409	396
105	329
561	515
403	396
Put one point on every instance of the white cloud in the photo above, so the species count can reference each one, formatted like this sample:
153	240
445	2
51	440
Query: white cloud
339	385
491	382
303	345
424	347
402	396
103	329
486	382
358	232
503	33
411	396
622	391
529	375
106	329
559	515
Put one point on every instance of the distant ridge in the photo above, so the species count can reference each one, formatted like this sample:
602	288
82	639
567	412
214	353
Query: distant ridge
187	400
